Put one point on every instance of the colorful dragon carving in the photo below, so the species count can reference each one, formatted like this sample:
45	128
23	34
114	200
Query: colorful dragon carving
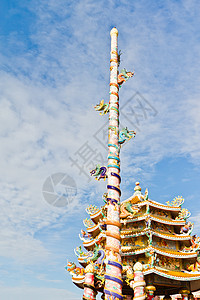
103	107
183	214
128	210
176	202
88	255
101	258
124	76
78	251
152	258
196	266
125	135
74	270
85	236
187	228
195	244
99	172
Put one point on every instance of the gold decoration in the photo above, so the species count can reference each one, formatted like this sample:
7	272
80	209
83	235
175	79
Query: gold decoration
89	268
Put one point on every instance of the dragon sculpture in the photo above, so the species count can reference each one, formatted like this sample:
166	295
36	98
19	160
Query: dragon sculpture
146	195
176	202
88	256
128	210
196	266
183	214
74	270
102	107
187	228
78	251
152	258
124	76
99	172
85	236
126	135
195	241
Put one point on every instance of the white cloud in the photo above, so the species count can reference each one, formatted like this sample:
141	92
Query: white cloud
32	293
195	220
43	277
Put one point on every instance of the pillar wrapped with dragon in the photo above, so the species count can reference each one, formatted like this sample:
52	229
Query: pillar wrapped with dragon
101	238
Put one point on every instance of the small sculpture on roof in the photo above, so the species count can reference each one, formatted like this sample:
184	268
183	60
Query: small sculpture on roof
195	268
176	202
187	228
85	236
74	270
88	223
78	251
183	214
92	209
146	195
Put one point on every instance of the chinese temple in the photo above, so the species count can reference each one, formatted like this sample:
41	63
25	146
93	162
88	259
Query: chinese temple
137	248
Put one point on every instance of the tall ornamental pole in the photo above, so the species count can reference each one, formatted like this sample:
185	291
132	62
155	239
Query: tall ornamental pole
113	275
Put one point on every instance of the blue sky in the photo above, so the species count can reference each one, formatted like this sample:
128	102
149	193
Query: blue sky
54	60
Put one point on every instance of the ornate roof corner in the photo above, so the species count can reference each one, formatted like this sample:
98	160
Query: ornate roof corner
176	202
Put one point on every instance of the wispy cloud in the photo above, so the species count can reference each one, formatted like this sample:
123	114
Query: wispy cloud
25	292
53	75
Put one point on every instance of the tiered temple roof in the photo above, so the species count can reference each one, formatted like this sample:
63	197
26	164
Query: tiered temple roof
154	234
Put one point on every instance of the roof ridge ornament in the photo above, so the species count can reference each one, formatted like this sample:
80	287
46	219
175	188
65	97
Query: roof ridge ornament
176	202
92	209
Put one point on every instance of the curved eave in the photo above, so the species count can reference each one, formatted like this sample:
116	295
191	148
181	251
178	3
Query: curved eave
126	236
163	206
125	221
92	242
183	276
153	218
168	222
79	281
95	217
155	204
174	237
175	254
126	250
93	228
82	261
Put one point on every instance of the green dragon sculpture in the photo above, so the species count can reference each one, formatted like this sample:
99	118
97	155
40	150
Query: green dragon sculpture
125	135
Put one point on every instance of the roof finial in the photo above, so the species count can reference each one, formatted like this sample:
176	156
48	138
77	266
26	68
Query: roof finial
137	187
